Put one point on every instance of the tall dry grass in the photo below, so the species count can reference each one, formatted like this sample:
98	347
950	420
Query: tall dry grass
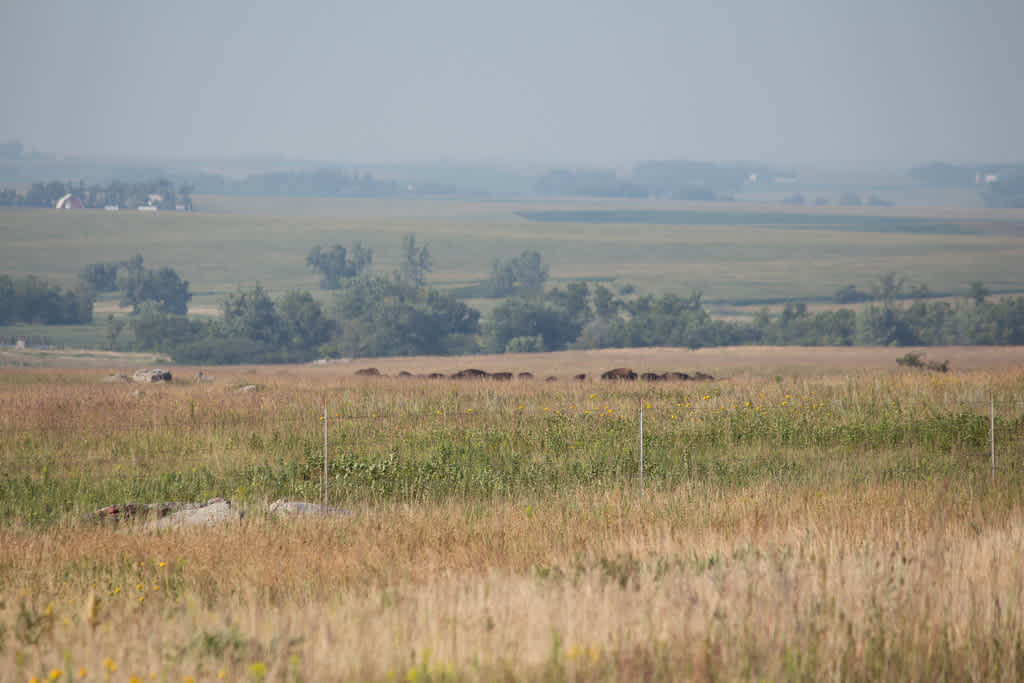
758	550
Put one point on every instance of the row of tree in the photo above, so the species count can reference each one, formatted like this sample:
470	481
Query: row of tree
374	315
162	194
398	314
31	300
138	284
321	182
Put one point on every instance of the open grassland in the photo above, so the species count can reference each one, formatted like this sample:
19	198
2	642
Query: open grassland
838	524
730	251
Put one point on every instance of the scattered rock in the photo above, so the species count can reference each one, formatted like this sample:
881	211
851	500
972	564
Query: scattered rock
125	511
147	376
215	511
247	389
178	515
203	378
525	375
295	508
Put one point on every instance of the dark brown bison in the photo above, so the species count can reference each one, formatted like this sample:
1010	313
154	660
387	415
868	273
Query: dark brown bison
677	376
702	376
580	377
653	377
368	372
502	376
405	373
525	375
619	373
437	375
469	373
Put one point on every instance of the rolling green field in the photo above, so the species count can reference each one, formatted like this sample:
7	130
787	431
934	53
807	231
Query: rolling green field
739	252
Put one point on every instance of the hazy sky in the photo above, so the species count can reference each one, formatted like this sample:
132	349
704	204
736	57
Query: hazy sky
582	81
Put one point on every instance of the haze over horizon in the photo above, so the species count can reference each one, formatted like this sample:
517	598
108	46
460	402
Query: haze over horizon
585	82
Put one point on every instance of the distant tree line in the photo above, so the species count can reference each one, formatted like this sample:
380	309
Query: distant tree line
162	194
322	182
1001	185
384	315
138	284
371	314
31	300
1007	192
673	179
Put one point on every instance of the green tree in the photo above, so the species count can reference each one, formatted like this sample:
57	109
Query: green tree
888	289
606	306
849	294
114	328
164	286
381	316
416	261
979	292
252	315
523	274
157	330
100	276
530	318
336	264
304	324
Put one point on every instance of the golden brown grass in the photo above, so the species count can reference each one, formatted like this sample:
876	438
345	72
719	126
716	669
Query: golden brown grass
843	562
878	583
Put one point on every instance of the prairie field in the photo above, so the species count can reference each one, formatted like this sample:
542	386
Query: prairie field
742	251
810	514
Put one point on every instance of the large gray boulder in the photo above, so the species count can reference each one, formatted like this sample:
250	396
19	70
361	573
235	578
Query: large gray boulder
296	508
148	376
216	511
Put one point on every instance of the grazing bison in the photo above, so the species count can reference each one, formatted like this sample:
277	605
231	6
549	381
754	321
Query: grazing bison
619	373
368	372
405	373
437	375
580	377
502	376
702	376
525	375
550	378
469	373
680	376
653	377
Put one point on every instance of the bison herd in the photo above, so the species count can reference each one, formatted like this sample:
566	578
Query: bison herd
615	374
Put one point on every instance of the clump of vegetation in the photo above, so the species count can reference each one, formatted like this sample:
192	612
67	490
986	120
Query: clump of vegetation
913	359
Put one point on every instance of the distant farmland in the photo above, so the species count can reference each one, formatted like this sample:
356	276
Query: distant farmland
742	252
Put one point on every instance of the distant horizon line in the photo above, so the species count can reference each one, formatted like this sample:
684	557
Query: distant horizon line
494	161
